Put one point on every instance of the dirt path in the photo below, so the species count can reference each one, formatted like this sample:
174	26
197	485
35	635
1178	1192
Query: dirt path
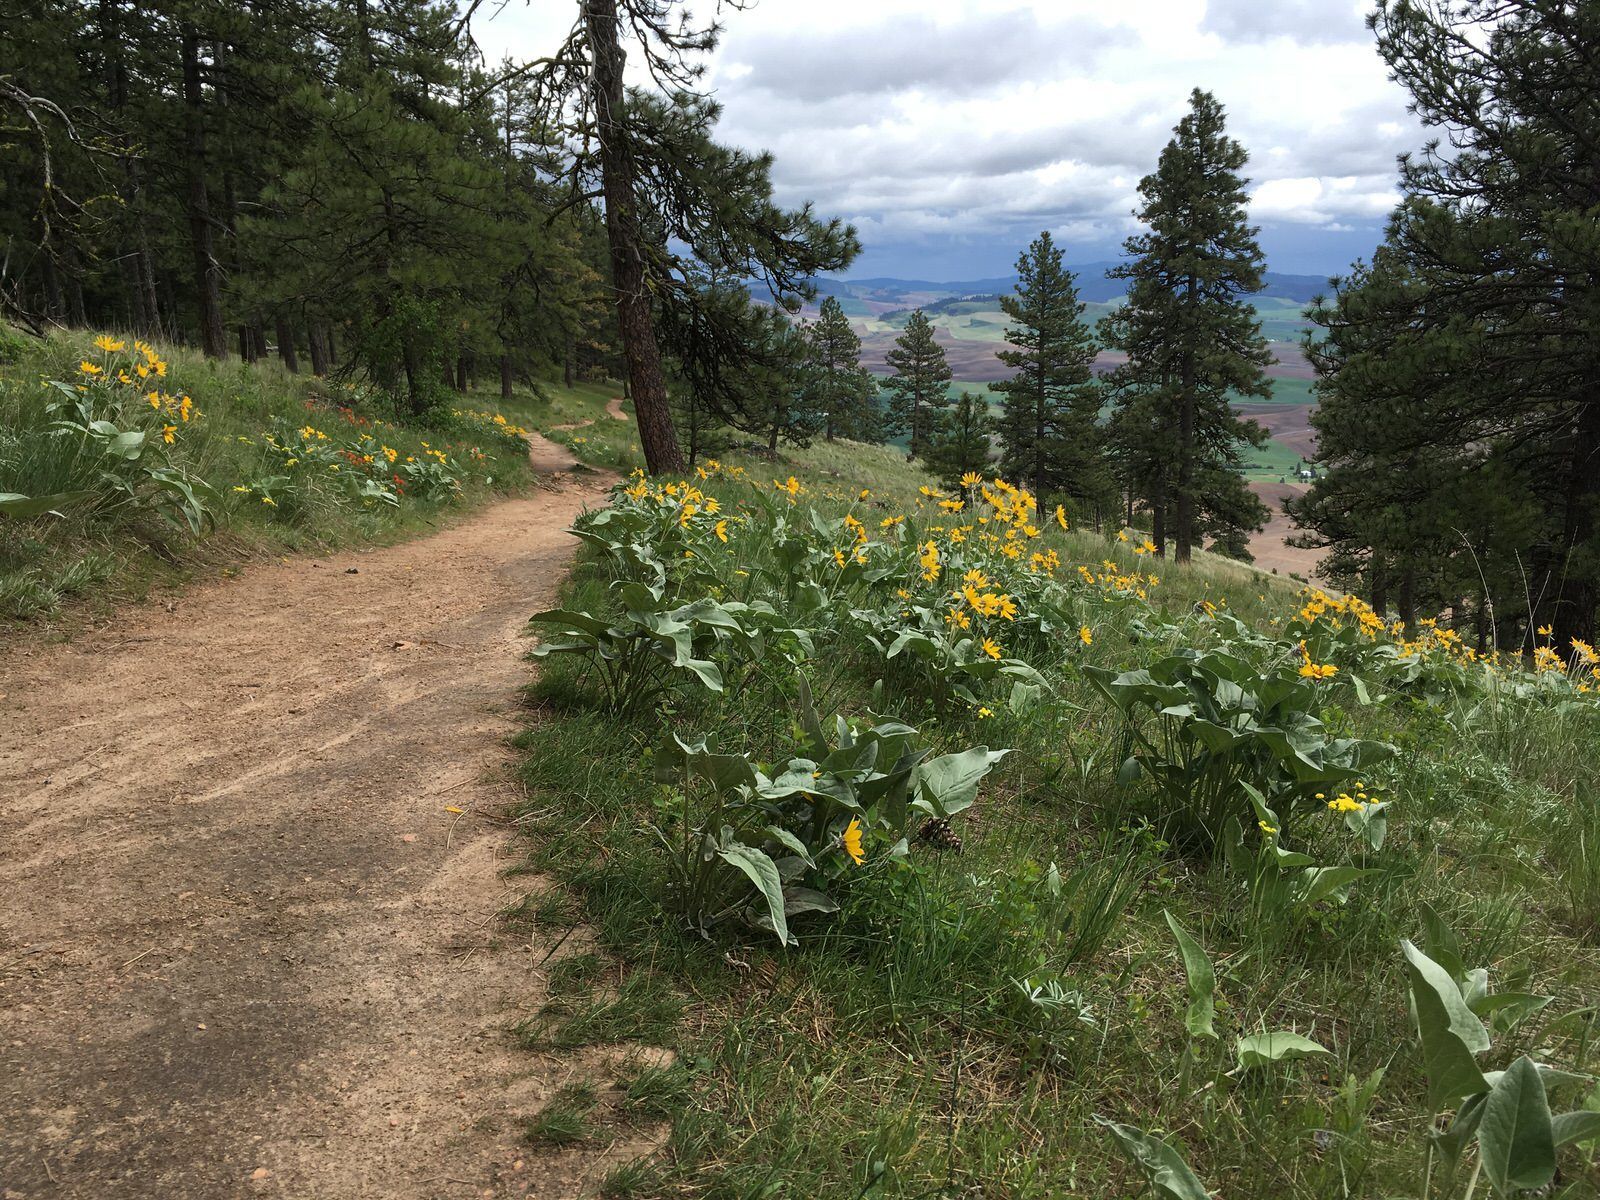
246	945
613	410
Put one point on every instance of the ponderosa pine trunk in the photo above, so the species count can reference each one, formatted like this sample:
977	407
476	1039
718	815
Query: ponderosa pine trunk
1158	515
208	277
618	187
317	349
1185	513
285	335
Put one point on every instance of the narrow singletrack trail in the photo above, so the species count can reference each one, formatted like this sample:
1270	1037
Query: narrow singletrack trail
251	856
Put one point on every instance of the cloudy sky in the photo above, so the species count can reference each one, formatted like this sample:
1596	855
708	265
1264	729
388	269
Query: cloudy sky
951	131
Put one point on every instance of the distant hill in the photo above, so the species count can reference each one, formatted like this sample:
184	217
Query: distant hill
1093	285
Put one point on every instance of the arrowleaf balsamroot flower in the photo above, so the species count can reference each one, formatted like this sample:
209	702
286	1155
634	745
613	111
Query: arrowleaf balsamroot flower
850	841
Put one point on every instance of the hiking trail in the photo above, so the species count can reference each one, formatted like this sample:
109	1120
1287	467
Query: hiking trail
251	845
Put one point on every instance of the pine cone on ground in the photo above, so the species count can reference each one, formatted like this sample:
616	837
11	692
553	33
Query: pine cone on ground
936	832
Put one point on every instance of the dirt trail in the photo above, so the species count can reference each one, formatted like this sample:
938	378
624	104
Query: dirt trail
613	410
245	947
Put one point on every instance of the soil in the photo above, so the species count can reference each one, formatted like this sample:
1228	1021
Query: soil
1272	552
252	849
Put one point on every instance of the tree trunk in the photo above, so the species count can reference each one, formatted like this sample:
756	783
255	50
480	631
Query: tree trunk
1378	581
1185	514
137	265
247	346
75	309
461	372
617	170
1038	430
1407	600
52	278
208	279
1576	596
317	348
505	377
566	361
1158	515
285	335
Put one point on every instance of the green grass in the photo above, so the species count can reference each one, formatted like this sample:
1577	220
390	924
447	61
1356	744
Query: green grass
578	420
565	1118
94	555
892	1052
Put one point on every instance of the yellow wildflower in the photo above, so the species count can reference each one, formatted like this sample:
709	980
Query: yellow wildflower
850	841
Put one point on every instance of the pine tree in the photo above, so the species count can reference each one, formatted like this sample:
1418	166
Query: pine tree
1049	423
917	384
677	203
961	441
842	390
1192	339
1497	230
1414	515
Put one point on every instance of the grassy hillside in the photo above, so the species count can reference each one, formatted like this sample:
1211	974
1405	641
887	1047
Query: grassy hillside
1187	923
122	469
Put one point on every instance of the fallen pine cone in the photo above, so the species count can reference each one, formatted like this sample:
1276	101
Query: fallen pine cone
936	832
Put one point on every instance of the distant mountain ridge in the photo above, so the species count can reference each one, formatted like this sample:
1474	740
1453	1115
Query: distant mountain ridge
1094	285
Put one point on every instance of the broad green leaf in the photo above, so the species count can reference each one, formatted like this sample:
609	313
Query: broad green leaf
1579	1126
1450	1034
566	618
707	671
14	504
949	783
129	444
798	900
1320	883
1202	981
1516	1137
763	872
785	838
1505	1010
810	723
1453	1142
1162	1166
1361	689
1440	940
1260	1049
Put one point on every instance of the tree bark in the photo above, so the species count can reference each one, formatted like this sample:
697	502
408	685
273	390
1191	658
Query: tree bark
208	277
566	361
505	377
1185	514
317	348
618	178
285	335
74	273
1158	515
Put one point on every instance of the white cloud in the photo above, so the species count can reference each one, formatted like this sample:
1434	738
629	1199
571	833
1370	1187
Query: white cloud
1326	201
946	118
